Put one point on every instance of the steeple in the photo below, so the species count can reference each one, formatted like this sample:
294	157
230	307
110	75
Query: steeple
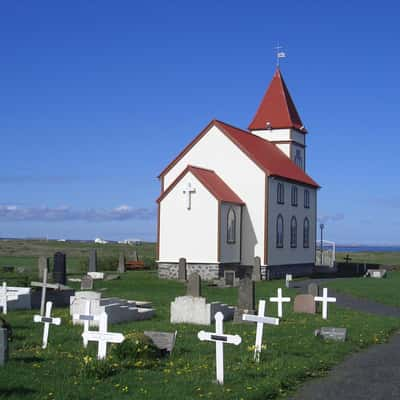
277	110
278	121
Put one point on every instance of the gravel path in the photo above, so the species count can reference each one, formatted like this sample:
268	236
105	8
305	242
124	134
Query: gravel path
372	374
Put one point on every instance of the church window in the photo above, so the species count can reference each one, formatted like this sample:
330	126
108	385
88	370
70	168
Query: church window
231	226
298	160
293	232
306	199
306	233
294	195
281	193
279	231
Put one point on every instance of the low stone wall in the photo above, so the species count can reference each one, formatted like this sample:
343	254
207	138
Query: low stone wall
207	272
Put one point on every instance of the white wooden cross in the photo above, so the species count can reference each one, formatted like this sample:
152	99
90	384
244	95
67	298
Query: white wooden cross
5	296
219	338
188	192
46	320
103	337
280	300
325	300
86	317
261	320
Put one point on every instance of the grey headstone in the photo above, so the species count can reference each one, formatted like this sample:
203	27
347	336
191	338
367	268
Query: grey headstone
313	289
229	277
43	263
193	287
59	272
256	273
182	269
134	256
111	277
337	334
163	340
304	303
121	263
20	270
93	260
3	346
246	299
87	283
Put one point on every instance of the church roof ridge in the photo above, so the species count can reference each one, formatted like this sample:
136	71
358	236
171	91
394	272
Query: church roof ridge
277	109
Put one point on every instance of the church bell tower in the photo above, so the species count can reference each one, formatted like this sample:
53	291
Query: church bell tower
278	121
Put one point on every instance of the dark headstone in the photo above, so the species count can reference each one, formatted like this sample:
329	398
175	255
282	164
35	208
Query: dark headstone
43	263
182	269
304	303
256	273
8	268
59	272
121	263
3	346
165	341
87	283
193	287
93	260
246	300
337	334
229	278
313	289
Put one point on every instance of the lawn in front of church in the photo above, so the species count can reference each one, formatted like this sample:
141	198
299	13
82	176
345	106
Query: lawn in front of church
292	353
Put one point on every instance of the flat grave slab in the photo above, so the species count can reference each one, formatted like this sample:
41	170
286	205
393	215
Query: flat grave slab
165	341
337	334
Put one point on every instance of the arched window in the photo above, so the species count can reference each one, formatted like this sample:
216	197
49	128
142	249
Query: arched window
293	232
294	195
306	199
306	233
279	231
231	226
281	193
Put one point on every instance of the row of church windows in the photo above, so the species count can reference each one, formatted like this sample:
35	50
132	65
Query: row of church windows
293	232
294	195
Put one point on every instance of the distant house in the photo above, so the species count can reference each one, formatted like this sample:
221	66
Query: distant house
130	241
100	241
234	194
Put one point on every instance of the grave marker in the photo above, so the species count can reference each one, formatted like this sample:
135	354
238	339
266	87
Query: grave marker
46	320
219	338
288	279
193	287
246	300
86	317
121	263
261	320
93	260
87	283
182	269
6	296
280	300
336	334
164	341
102	336
256	273
229	277
304	303
3	346
324	299
43	263
59	274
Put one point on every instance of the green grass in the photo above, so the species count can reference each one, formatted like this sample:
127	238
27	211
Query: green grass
293	354
373	257
384	291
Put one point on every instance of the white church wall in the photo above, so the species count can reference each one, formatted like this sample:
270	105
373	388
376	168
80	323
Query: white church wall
288	255
217	152
230	252
284	147
192	234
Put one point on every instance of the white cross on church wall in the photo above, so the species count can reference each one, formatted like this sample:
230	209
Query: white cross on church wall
325	300
280	300
219	338
261	320
47	320
188	191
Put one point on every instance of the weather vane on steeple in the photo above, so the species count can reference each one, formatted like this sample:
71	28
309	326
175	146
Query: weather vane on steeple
279	54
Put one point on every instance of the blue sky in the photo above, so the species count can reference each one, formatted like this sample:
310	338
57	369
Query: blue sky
96	97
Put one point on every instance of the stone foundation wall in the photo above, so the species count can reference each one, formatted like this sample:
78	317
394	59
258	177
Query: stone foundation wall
280	271
207	272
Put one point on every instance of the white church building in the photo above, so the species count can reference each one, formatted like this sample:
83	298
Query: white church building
232	195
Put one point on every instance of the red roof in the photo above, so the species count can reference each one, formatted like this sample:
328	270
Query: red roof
211	181
277	110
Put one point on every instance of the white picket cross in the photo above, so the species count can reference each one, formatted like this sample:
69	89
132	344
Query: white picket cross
6	296
219	338
280	300
261	320
86	317
102	336
46	320
324	299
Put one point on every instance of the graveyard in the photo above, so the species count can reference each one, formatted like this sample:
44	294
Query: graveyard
59	366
